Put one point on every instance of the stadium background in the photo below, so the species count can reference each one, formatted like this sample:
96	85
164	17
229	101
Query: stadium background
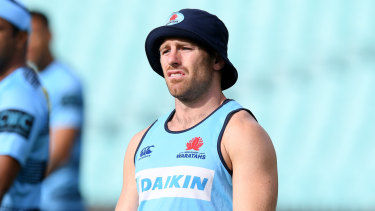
306	70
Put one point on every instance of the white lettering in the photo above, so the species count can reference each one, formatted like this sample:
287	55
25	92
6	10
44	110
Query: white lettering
178	181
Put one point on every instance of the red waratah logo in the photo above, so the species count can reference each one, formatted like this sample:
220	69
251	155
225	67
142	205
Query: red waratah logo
194	143
174	16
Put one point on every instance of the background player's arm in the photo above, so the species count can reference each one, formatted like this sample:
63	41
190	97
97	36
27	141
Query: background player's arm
129	196
250	154
66	121
9	169
61	145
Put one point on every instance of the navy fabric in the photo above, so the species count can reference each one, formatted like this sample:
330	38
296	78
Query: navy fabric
198	26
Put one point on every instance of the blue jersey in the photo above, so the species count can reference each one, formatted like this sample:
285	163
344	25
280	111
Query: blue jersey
24	136
60	190
185	170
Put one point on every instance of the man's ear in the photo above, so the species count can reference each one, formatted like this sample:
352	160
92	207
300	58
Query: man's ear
219	62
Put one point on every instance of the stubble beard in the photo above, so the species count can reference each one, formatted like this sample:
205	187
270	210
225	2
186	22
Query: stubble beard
190	90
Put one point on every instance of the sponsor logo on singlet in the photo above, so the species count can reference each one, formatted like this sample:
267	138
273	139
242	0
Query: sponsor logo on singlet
15	121
179	181
71	100
192	149
145	152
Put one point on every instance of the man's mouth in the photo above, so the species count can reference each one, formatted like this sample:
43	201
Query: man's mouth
175	74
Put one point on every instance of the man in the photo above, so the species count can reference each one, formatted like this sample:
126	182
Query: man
209	153
60	190
24	138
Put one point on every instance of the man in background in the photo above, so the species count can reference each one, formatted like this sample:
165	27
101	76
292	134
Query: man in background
24	137
60	190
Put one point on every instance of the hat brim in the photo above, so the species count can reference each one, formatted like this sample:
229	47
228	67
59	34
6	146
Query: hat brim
155	38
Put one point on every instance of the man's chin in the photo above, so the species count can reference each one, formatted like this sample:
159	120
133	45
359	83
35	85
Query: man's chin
177	92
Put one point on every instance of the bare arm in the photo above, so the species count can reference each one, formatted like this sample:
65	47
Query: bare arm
9	169
249	152
128	200
62	142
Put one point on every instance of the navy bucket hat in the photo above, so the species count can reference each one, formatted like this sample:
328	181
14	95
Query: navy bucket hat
198	26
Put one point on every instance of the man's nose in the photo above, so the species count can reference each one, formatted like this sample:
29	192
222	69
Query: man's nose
173	58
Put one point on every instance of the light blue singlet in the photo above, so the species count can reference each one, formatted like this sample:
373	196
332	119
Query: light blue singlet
185	170
24	136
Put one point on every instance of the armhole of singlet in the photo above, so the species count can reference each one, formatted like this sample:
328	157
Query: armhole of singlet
229	116
140	142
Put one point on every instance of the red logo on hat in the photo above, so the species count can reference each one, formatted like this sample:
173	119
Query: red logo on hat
194	143
174	16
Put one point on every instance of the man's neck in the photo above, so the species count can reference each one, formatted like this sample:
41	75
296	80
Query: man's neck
9	69
48	59
191	113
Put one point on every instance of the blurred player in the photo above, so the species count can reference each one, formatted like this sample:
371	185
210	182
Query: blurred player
24	138
209	153
60	190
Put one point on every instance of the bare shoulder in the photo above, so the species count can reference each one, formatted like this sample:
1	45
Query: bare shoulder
134	142
242	124
244	137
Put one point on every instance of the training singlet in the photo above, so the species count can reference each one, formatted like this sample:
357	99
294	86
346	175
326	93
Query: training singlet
24	136
185	170
60	190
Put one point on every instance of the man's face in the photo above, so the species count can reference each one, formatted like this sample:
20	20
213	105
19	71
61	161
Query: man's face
187	68
38	42
7	44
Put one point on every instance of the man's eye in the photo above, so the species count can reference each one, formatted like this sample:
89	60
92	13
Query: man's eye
164	51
